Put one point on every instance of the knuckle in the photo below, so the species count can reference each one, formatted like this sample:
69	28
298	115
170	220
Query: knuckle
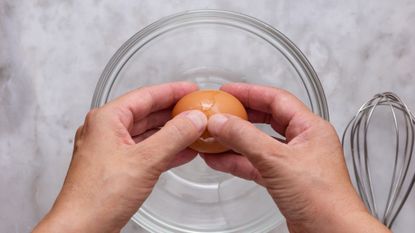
92	120
211	163
78	133
323	124
234	168
253	174
78	137
328	125
91	115
233	129
100	114
181	128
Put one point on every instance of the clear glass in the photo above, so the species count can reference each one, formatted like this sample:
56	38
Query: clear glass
211	48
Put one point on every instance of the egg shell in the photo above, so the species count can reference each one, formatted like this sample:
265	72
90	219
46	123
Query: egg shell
210	102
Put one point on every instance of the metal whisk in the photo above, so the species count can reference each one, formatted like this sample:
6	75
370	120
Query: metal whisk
403	176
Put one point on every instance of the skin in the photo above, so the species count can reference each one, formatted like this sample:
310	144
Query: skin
120	153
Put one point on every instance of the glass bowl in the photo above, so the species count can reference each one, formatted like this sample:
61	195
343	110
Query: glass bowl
209	47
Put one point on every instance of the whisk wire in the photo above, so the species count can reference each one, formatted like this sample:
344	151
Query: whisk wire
408	156
366	157
393	189
402	180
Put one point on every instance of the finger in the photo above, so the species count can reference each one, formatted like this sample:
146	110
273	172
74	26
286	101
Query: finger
265	118
183	157
234	164
154	120
137	104
145	135
243	137
175	136
284	107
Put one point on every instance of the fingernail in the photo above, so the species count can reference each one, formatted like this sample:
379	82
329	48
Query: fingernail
197	118
216	122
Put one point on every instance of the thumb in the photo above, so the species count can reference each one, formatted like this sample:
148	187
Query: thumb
176	135
242	136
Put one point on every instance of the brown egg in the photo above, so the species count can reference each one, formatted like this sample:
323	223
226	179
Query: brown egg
210	102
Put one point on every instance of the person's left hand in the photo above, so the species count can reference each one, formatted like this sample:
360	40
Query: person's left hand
119	156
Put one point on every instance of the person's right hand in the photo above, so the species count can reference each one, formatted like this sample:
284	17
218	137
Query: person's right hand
306	176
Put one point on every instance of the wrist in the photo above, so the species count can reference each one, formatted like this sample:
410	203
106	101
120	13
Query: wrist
343	214
351	215
74	220
358	222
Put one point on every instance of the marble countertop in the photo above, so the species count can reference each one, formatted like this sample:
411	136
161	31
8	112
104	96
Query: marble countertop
52	54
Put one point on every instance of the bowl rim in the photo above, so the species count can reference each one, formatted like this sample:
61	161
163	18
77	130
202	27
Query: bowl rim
121	56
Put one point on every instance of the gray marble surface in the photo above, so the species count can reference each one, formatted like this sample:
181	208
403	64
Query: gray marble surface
52	53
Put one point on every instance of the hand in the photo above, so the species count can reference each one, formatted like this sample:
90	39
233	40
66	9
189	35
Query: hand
116	162
306	176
